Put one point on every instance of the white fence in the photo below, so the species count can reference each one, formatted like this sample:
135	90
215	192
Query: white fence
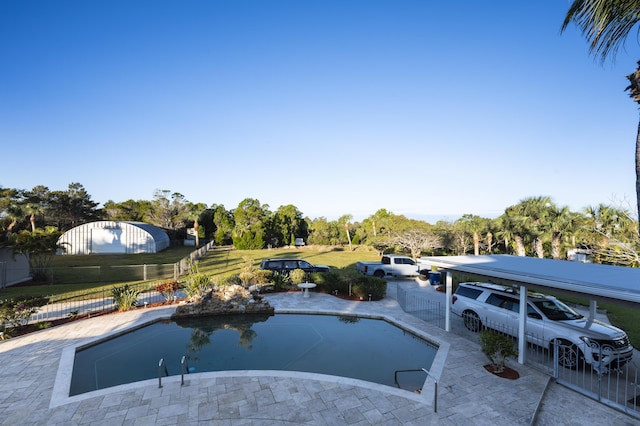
615	386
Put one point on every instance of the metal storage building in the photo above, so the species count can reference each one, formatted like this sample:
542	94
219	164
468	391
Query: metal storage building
109	237
14	268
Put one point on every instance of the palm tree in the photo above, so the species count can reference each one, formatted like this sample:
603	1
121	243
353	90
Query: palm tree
535	212
475	225
494	226
527	222
606	25
14	213
607	223
510	232
561	223
193	213
345	220
32	209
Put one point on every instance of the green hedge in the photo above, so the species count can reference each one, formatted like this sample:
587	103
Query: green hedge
363	286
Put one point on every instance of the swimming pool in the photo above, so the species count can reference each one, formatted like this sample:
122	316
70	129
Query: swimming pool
355	347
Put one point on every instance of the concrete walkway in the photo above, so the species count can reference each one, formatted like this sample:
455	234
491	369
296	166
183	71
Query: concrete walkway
36	371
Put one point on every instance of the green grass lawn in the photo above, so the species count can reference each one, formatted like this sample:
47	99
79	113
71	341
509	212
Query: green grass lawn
80	273
78	270
227	262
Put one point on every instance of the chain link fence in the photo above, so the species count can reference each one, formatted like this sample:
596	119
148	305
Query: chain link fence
142	278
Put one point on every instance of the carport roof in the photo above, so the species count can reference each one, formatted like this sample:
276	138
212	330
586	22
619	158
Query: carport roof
594	280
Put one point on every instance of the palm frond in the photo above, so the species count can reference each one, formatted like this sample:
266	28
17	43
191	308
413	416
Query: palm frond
605	23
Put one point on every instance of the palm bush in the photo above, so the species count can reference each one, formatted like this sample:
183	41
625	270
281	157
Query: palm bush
248	272
280	281
195	285
125	298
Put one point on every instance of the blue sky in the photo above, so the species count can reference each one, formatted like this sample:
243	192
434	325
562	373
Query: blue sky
427	109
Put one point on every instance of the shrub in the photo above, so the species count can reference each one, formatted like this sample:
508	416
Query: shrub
498	348
348	281
195	285
331	281
44	325
15	313
263	276
280	281
125	298
369	288
233	279
168	289
247	272
297	276
245	278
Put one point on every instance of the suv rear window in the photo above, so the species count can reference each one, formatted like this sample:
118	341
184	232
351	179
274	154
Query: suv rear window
274	264
471	293
504	302
290	264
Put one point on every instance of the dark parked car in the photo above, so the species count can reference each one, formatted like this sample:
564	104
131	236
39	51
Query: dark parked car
286	265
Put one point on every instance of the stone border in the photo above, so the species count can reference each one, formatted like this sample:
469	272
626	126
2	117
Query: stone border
60	394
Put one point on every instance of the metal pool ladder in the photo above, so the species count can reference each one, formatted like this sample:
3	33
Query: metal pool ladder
435	381
184	366
162	367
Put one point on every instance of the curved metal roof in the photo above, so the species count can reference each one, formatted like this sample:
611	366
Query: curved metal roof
140	238
159	235
597	281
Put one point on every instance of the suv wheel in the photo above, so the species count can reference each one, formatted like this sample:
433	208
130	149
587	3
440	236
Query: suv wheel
471	321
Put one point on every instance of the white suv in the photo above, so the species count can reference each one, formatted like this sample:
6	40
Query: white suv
549	322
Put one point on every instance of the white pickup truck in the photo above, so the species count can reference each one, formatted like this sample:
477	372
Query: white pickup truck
392	265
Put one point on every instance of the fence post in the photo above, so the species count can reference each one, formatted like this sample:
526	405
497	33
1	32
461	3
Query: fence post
144	272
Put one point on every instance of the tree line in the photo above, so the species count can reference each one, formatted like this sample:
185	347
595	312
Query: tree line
536	226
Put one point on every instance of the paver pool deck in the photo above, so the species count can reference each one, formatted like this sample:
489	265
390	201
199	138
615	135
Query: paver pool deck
35	370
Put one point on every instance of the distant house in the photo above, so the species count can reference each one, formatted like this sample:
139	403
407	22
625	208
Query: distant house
579	255
111	237
13	269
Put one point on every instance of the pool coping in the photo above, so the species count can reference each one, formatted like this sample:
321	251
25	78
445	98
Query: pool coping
62	385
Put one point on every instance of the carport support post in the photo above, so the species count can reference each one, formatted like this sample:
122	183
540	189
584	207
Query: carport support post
522	323
447	312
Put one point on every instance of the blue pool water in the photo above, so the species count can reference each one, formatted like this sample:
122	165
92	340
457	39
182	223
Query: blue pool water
360	348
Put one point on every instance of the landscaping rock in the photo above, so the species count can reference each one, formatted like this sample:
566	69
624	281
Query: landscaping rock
227	300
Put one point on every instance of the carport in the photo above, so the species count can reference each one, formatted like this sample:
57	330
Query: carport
596	282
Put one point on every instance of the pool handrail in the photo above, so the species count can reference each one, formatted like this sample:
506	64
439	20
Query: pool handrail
435	395
161	364
183	364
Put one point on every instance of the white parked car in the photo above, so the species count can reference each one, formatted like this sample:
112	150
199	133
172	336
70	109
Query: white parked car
549	322
394	265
